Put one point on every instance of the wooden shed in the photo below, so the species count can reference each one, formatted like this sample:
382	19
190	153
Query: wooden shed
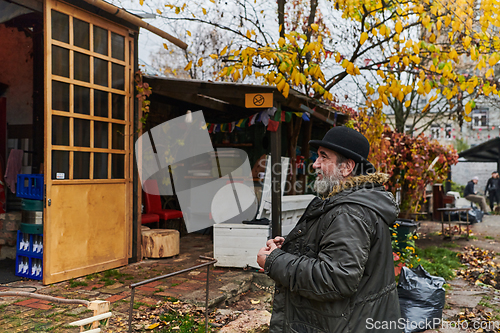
67	99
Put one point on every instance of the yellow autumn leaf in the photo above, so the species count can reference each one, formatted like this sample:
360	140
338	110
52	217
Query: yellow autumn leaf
406	61
281	84
494	59
152	326
364	37
204	11
385	100
200	62
141	2
159	11
350	68
314	26
407	104
399	27
224	50
188	32
188	67
374	32
466	41
401	96
249	34
281	41
165	46
286	90
382	29
438	25
468	108
214	56
213	1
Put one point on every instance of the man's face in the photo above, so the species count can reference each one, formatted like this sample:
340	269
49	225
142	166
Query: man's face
474	181
495	175
326	162
328	172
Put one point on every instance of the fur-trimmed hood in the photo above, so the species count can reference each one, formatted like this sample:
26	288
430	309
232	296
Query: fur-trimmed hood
366	190
363	181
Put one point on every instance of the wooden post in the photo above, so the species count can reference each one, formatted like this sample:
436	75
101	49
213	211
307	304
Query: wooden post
276	180
306	137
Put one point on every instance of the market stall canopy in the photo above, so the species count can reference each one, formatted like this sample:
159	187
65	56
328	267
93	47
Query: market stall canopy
488	151
226	100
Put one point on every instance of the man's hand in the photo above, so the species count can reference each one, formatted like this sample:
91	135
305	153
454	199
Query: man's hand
278	240
264	252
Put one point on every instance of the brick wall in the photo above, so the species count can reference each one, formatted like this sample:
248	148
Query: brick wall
9	224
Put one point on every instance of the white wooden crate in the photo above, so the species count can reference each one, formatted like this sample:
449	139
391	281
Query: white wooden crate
292	208
237	244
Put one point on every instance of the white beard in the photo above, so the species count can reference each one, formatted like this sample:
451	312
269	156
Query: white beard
324	186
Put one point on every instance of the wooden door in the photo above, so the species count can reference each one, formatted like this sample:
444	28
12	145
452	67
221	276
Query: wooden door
88	105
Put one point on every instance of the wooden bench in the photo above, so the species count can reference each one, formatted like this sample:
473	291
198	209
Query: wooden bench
459	222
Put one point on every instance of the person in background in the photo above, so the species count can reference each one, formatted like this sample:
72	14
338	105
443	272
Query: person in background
471	194
492	189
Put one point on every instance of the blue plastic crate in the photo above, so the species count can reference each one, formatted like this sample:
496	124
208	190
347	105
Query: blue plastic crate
30	186
29	267
29	245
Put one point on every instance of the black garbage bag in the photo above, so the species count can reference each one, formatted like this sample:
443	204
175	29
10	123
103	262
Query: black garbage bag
421	297
475	214
451	216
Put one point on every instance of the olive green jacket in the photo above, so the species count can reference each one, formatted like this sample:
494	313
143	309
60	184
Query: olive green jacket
335	270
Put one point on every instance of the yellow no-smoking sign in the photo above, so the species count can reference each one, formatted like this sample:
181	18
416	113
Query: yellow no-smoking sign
259	100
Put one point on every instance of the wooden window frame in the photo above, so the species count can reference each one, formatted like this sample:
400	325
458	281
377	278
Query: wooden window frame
127	93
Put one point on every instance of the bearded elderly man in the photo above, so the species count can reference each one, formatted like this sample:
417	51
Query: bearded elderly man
334	272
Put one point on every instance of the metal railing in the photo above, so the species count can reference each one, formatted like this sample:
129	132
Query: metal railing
138	284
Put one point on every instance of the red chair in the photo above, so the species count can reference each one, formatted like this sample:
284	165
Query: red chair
152	202
150	218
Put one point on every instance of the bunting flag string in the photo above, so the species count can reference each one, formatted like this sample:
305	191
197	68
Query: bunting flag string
270	118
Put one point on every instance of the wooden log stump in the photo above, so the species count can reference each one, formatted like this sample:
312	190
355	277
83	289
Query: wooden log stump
160	243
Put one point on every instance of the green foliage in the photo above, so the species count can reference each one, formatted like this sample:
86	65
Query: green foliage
461	145
457	188
440	261
139	304
113	273
108	281
91	276
403	248
182	323
74	284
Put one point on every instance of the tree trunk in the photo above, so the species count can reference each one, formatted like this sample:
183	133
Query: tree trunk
281	16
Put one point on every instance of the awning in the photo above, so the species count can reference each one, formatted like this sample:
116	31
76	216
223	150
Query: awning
226	100
488	151
10	10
